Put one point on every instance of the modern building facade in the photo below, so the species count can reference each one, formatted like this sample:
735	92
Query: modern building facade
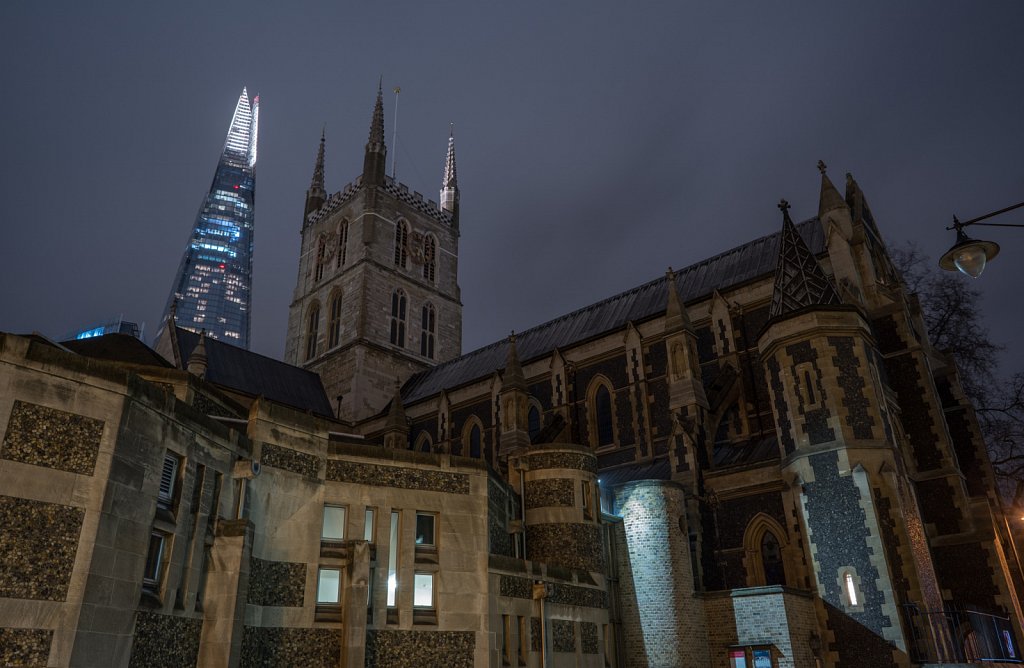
759	460
212	288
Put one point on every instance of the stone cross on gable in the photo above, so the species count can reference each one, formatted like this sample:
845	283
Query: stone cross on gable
783	205
822	166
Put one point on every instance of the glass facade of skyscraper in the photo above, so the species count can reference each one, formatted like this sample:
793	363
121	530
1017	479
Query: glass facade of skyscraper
212	289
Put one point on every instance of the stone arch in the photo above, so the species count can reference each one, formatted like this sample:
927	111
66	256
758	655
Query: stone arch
473	444
759	530
423	443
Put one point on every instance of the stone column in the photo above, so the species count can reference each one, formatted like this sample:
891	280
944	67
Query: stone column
224	599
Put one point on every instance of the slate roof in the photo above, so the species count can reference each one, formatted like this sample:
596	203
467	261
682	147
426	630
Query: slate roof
741	264
257	375
117	348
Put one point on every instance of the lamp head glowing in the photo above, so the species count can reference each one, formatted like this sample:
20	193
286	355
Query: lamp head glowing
969	256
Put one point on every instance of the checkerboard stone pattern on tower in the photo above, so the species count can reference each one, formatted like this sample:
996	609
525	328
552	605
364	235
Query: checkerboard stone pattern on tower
38	544
52	438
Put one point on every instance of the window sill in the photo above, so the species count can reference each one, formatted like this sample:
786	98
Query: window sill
424	616
327	613
426	555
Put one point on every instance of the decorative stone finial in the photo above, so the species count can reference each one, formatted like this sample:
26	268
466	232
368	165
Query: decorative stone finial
822	166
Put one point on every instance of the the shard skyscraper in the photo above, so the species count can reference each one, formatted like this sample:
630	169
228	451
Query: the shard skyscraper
213	286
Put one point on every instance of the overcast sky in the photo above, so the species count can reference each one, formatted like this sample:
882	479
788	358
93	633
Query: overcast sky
598	142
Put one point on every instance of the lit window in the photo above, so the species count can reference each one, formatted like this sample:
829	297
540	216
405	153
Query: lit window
334	523
393	561
398	318
312	331
425	529
401	244
368	526
329	586
423	590
427	331
429	258
334	324
851	588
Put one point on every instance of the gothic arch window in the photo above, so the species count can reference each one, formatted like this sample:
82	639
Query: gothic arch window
321	252
398	308
533	420
342	243
429	258
312	330
765	551
334	322
601	412
428	330
402	244
473	438
423	443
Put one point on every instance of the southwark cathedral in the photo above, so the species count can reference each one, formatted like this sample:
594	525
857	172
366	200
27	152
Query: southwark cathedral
758	460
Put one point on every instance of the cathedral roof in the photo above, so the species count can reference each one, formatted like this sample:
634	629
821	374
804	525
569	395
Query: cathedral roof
744	263
257	375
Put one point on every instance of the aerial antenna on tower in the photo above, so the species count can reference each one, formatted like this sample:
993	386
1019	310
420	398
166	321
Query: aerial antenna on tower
394	136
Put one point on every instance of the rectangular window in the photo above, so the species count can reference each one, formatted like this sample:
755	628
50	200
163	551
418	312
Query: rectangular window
423	590
334	523
737	658
368	526
328	590
393	561
154	560
588	512
425	529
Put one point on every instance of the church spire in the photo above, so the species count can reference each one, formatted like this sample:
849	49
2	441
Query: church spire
375	160
799	279
450	181
317	193
830	199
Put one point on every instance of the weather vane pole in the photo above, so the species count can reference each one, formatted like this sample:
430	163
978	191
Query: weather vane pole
394	136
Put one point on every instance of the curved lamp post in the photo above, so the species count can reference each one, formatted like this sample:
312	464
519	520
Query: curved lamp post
968	255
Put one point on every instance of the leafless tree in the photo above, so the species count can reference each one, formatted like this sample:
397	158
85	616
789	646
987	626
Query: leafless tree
952	313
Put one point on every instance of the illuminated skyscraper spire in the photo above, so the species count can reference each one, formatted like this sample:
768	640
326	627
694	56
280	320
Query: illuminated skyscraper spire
212	288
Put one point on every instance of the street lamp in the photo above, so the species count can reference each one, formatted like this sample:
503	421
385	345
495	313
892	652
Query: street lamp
968	255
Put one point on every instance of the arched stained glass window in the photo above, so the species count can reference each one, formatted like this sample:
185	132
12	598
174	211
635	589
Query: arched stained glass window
342	244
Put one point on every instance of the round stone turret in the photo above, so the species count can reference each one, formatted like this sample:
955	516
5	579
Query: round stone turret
562	506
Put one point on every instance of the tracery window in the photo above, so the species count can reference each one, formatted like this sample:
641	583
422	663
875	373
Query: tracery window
428	328
771	560
429	258
312	331
334	323
401	244
342	243
398	306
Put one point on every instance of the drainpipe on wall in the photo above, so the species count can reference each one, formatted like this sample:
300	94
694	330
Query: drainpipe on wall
540	592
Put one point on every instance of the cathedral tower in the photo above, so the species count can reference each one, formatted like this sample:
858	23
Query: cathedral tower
377	294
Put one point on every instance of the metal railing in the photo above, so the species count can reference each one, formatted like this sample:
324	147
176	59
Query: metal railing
959	634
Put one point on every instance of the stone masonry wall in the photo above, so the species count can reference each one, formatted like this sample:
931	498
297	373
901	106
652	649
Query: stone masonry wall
279	583
38	544
24	647
52	438
165	641
393	476
451	649
761	616
309	648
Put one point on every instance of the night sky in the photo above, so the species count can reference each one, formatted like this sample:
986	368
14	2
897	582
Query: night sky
598	143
